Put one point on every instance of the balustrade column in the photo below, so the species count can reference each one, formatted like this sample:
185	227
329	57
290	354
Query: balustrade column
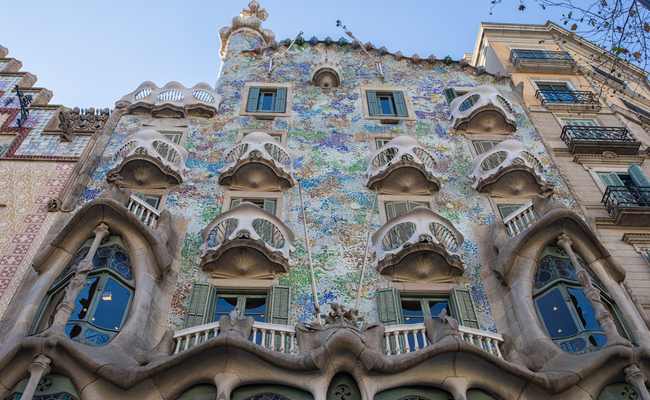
75	286
603	317
39	368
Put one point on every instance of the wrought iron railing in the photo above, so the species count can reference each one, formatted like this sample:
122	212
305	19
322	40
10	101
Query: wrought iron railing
542	55
596	134
625	196
567	96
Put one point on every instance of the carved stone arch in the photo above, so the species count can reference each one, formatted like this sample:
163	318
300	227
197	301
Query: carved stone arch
150	250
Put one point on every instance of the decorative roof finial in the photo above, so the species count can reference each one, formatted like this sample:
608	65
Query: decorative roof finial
254	11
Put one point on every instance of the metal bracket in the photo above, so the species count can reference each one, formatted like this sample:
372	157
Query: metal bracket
25	100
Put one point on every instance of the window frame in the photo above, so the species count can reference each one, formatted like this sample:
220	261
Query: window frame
382	199
387	119
231	195
242	296
275	133
266	87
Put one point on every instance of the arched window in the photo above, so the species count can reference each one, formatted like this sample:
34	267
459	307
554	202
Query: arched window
270	392
564	311
102	306
414	393
50	387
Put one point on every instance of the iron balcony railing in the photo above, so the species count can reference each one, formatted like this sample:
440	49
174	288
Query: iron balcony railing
625	196
566	96
542	55
596	134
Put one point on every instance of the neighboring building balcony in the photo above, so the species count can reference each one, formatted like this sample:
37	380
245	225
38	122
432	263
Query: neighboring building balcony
568	100
397	339
542	61
509	169
483	110
598	139
628	205
258	162
246	242
402	166
149	159
418	246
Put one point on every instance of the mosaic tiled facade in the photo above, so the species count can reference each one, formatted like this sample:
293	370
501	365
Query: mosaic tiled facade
168	180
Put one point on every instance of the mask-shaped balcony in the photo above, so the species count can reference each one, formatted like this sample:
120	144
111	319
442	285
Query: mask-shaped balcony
402	166
483	110
258	162
246	242
149	159
509	170
419	245
174	100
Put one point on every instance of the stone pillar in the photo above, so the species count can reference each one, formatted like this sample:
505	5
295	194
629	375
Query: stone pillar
603	317
75	286
636	378
39	368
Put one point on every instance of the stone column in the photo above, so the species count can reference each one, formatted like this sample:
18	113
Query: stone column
39	368
636	378
603	317
75	286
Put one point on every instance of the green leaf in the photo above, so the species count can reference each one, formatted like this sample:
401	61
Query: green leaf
570	14
574	27
571	35
522	7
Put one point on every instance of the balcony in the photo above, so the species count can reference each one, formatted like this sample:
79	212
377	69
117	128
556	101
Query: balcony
542	61
598	139
568	100
628	205
483	110
402	166
397	339
418	246
246	242
258	162
174	100
149	159
509	170
143	211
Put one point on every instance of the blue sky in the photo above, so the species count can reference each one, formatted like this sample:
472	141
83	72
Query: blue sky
91	53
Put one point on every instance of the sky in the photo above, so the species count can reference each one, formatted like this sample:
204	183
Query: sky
92	53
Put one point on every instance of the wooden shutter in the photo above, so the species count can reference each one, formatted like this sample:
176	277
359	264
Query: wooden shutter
203	301
389	307
253	98
269	206
637	176
373	105
277	304
462	307
280	100
610	179
506	210
234	203
450	94
481	146
400	104
579	122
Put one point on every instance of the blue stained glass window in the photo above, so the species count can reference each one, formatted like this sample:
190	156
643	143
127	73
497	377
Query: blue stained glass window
556	315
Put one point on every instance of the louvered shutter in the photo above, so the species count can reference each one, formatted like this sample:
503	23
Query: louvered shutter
450	94
253	98
637	176
610	179
277	303
462	307
234	203
389	307
400	104
506	210
269	206
203	301
373	106
281	100
622	196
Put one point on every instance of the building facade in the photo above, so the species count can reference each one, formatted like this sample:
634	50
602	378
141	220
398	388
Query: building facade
336	221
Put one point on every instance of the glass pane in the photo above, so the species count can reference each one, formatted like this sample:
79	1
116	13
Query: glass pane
111	308
584	309
555	315
49	311
386	104
267	102
174	137
412	311
597	340
573	346
435	308
224	306
84	299
255	307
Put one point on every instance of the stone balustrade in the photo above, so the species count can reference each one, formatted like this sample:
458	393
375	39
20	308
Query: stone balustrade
143	211
520	220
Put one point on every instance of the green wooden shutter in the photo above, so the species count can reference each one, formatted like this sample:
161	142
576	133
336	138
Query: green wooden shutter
253	98
234	203
203	301
281	100
269	206
450	94
481	146
637	176
400	104
610	179
277	304
506	210
462	307
373	105
389	307
579	122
